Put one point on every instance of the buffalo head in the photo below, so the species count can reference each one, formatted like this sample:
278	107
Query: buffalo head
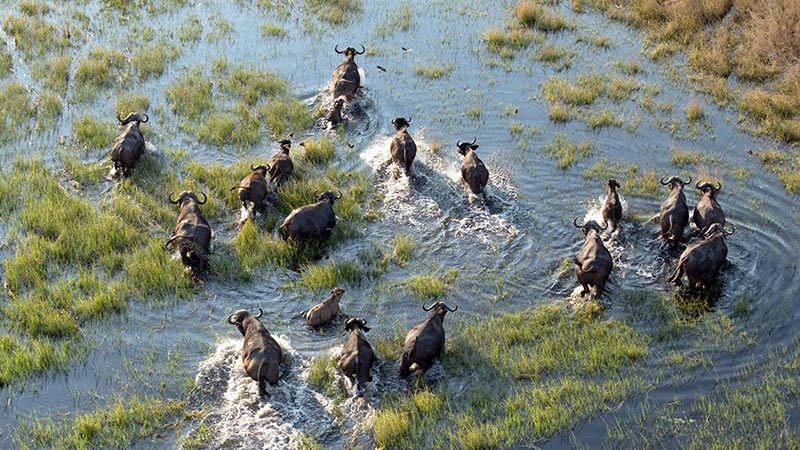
709	188
133	117
612	184
401	122
464	147
349	51
356	322
439	308
589	226
260	168
675	181
327	195
238	317
187	194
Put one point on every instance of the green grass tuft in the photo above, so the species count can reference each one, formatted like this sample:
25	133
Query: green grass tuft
566	152
95	134
432	287
433	72
318	151
190	95
100	69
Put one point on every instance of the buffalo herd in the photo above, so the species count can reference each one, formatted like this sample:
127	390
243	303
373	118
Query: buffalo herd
700	262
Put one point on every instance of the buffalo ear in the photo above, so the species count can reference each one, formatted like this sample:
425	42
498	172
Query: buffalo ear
474	146
365	328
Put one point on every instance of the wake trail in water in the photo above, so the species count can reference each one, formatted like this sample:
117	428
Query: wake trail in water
435	196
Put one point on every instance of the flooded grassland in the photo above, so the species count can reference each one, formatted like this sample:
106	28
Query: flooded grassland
106	341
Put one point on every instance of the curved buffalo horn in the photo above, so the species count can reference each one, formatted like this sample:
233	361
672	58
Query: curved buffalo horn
204	199
575	222
719	185
603	228
662	181
260	313
252	167
697	185
119	118
452	310
336	49
427	309
363	49
146	118
458	143
686	182
174	202
475	139
231	321
339	196
315	193
728	233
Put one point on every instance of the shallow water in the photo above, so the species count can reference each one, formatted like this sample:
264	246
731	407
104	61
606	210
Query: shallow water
515	239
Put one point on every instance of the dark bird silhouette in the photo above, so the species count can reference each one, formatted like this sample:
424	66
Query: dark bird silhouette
381	69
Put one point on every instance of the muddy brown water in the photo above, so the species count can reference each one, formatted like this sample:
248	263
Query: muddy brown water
516	241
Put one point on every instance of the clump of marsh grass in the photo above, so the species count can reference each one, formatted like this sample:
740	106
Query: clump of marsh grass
322	375
48	109
337	12
95	133
433	72
533	15
694	111
567	152
399	20
117	424
100	69
318	151
401	249
432	287
16	110
53	72
34	36
5	61
190	95
151	60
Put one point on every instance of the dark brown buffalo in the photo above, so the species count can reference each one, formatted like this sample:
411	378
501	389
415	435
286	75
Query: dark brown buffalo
261	354
254	187
473	171
702	260
425	341
674	214
334	117
192	234
311	222
357	357
707	210
128	147
593	264
280	164
612	208
403	149
345	79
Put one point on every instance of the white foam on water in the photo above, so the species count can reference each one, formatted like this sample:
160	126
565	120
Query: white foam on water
242	419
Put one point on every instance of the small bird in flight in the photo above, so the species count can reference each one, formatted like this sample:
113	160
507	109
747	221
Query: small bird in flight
406	50
381	69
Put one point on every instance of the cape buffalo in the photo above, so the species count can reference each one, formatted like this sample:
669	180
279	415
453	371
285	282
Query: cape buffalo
280	164
192	234
403	148
254	187
315	221
323	312
473	172
674	214
261	354
702	260
612	208
334	117
345	79
707	210
425	341
128	147
593	264
357	357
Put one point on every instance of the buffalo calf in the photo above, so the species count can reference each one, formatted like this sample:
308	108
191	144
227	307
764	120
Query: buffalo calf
323	312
